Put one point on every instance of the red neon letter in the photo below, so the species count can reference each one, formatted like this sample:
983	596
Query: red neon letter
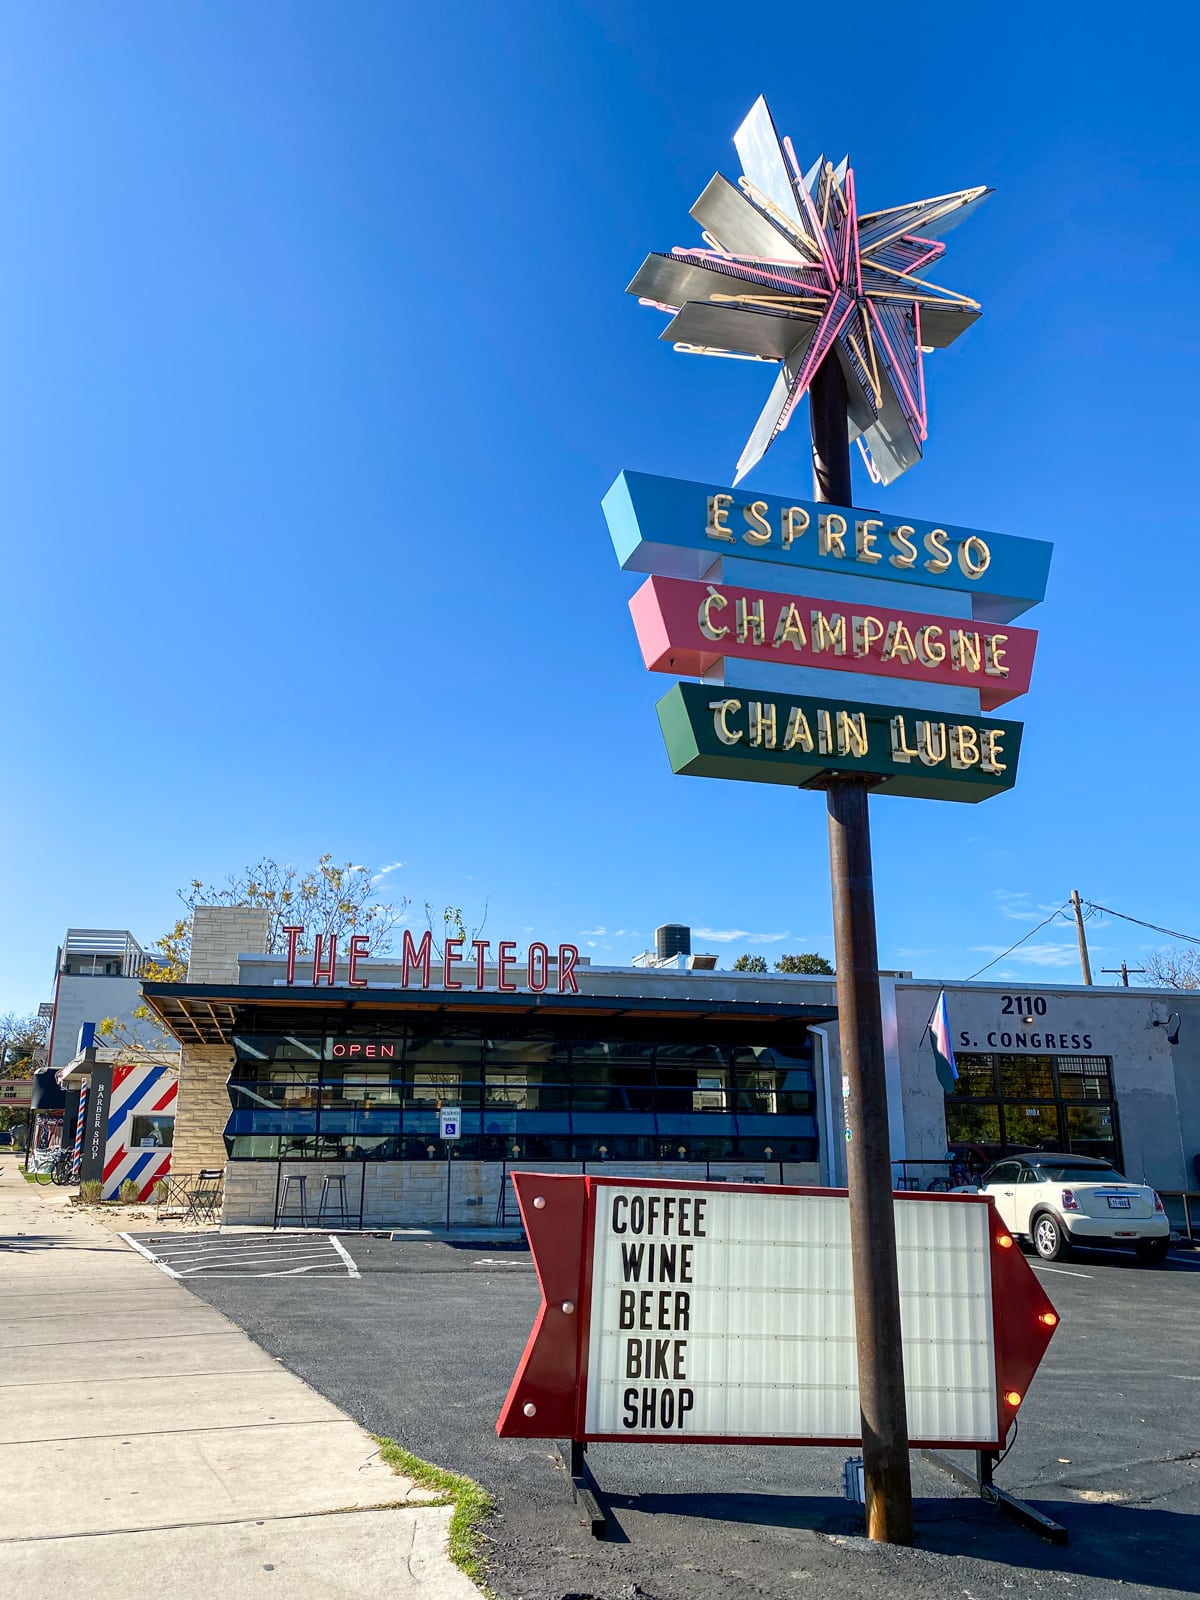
479	946
451	960
358	952
568	955
539	967
329	970
507	960
293	938
416	956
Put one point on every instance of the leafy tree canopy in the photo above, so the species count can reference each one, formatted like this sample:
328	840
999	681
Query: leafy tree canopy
810	964
325	899
750	964
24	1040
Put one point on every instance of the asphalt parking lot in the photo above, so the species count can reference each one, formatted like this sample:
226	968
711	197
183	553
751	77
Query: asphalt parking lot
423	1345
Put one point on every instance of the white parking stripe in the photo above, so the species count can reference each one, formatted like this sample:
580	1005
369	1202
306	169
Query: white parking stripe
316	1257
254	1256
142	1251
1040	1266
345	1255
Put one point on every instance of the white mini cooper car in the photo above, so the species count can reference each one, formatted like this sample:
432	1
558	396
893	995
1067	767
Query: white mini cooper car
1057	1200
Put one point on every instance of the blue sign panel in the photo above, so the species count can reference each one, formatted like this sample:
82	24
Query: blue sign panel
678	529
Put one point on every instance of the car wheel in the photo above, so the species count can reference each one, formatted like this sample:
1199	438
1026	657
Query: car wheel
1050	1238
1153	1253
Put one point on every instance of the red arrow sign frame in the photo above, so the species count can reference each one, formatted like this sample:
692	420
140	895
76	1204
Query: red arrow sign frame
548	1395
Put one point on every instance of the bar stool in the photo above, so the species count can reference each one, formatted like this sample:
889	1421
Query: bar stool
301	1180
327	1183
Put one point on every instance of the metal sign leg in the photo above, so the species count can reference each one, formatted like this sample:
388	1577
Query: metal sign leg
981	1479
584	1488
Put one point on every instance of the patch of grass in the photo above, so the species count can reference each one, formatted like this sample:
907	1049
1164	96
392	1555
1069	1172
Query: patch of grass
472	1504
91	1191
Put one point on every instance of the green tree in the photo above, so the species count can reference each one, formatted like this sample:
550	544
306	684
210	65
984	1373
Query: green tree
750	964
453	926
326	899
23	1040
810	964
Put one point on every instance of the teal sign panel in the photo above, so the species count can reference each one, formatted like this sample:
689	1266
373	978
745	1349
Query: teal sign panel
678	529
715	731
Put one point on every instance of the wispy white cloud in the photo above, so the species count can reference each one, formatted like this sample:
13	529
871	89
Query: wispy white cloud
1033	955
728	935
592	933
1016	906
392	866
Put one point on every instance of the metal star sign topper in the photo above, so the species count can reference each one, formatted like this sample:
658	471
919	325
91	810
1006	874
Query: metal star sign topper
793	274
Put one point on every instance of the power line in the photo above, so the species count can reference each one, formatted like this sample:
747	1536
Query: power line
1171	933
1019	943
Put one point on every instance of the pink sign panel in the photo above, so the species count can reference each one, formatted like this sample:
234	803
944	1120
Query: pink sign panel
686	627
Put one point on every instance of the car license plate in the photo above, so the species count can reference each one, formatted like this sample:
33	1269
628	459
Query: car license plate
1118	1202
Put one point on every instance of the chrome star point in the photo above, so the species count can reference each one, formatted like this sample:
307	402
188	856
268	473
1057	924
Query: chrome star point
791	273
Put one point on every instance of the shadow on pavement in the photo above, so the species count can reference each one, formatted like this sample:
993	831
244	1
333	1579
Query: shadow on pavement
1129	1544
816	1513
22	1242
1132	1544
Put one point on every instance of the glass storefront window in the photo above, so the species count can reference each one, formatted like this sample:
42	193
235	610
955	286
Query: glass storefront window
1029	1127
1091	1132
430	1088
566	1095
432	1051
974	1124
1026	1077
976	1078
1028	1102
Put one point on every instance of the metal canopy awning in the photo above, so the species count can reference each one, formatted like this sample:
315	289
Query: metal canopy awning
205	1013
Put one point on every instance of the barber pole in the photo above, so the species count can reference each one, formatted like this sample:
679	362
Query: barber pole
80	1120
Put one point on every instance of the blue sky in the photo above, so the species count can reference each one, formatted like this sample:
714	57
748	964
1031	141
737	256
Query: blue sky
315	365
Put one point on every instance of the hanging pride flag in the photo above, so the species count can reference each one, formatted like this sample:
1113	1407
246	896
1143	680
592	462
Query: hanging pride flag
943	1049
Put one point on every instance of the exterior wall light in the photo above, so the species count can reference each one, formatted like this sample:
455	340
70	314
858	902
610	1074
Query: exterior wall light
1172	1033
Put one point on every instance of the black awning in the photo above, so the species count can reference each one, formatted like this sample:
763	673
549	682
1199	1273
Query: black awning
205	1013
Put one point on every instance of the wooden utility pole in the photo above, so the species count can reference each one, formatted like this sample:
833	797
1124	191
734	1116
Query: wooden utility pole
1083	949
1124	969
886	1472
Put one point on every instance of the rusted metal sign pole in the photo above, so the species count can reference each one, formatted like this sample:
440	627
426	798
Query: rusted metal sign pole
860	1031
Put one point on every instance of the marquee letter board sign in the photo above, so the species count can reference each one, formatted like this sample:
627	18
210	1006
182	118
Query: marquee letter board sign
711	1312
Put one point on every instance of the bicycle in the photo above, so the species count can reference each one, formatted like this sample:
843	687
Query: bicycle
60	1170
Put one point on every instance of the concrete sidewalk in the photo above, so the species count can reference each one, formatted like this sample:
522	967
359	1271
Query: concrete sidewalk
147	1443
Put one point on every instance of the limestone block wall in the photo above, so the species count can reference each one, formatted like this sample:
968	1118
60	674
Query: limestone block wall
202	1108
219	935
412	1194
